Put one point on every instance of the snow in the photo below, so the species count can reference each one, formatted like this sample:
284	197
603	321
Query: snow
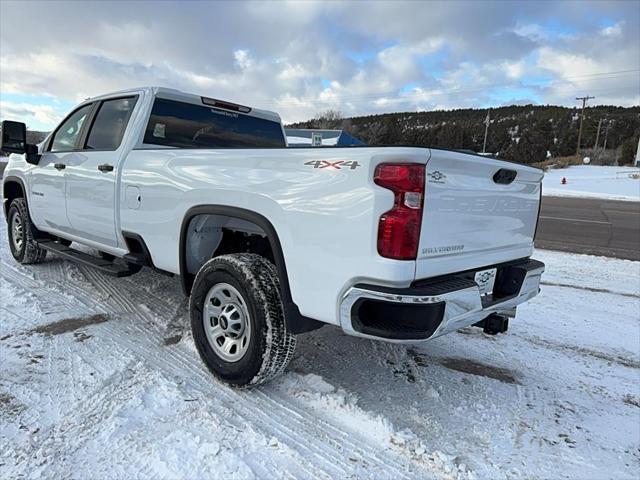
100	379
592	181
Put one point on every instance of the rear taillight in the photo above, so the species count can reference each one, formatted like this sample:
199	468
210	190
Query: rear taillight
399	228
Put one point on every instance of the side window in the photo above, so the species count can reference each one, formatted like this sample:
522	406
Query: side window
67	135
110	123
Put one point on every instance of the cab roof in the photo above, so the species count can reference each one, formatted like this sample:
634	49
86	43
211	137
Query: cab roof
180	96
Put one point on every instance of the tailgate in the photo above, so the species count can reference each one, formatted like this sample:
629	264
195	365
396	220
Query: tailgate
474	214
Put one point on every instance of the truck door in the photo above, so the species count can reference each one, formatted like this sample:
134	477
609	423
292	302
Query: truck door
47	197
92	174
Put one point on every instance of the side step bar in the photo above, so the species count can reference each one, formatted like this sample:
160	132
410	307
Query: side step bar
105	266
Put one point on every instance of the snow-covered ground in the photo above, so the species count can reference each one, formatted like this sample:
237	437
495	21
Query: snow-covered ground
592	181
99	379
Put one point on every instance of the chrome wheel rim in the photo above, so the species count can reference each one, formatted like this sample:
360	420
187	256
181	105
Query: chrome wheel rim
225	318
17	231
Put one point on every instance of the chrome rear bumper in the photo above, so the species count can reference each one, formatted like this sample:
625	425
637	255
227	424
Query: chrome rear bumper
436	307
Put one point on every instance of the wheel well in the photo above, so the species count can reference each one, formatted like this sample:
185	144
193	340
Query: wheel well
209	235
11	191
212	230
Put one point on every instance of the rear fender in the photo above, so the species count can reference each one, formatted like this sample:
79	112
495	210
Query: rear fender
296	322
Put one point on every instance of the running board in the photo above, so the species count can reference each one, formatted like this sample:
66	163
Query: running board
105	266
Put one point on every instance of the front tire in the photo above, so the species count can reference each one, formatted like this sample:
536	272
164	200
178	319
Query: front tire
237	319
23	246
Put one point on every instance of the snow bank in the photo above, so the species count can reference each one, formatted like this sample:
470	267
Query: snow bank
591	181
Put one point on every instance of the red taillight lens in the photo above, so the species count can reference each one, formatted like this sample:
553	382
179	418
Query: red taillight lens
399	228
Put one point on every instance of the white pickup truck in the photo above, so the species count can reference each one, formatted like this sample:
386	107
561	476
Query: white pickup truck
400	244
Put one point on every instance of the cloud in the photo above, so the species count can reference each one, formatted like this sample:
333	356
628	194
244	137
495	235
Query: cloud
300	58
612	30
33	115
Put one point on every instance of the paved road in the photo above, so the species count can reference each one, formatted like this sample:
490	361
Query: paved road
593	226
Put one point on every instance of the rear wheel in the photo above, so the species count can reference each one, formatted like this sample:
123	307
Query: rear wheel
237	319
21	242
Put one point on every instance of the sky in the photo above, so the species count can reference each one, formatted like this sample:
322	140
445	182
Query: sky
304	57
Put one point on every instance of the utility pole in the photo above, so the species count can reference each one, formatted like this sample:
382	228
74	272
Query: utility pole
606	134
597	135
595	146
486	131
584	103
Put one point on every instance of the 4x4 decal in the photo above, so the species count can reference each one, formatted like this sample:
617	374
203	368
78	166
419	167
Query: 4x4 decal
337	165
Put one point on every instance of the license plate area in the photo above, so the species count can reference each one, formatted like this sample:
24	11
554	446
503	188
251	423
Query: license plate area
486	279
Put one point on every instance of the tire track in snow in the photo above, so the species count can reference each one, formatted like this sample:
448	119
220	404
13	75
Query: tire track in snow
54	303
82	420
137	341
590	289
340	437
133	299
110	294
320	442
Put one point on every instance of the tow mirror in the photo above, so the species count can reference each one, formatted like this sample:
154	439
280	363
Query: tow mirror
14	137
14	140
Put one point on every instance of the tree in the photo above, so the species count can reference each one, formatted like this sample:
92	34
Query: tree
329	120
566	145
374	133
628	151
529	149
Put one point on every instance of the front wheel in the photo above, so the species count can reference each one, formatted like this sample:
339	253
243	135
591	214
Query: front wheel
23	246
238	321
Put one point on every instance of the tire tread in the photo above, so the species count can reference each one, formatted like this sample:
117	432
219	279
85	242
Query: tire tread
260	277
32	252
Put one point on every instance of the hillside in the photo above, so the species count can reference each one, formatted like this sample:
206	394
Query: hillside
520	133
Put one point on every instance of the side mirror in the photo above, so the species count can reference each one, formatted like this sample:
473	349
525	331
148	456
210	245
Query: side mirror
14	140
14	137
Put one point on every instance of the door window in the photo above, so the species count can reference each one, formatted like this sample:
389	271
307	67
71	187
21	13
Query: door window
110	123
67	135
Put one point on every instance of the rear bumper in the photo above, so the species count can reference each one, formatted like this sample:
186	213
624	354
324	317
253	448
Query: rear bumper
434	307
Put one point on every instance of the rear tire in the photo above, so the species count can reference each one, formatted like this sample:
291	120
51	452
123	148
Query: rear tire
237	319
23	246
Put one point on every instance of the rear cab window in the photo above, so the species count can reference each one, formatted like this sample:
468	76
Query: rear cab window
185	125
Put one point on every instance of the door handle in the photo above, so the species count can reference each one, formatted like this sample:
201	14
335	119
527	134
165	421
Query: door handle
59	166
105	167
